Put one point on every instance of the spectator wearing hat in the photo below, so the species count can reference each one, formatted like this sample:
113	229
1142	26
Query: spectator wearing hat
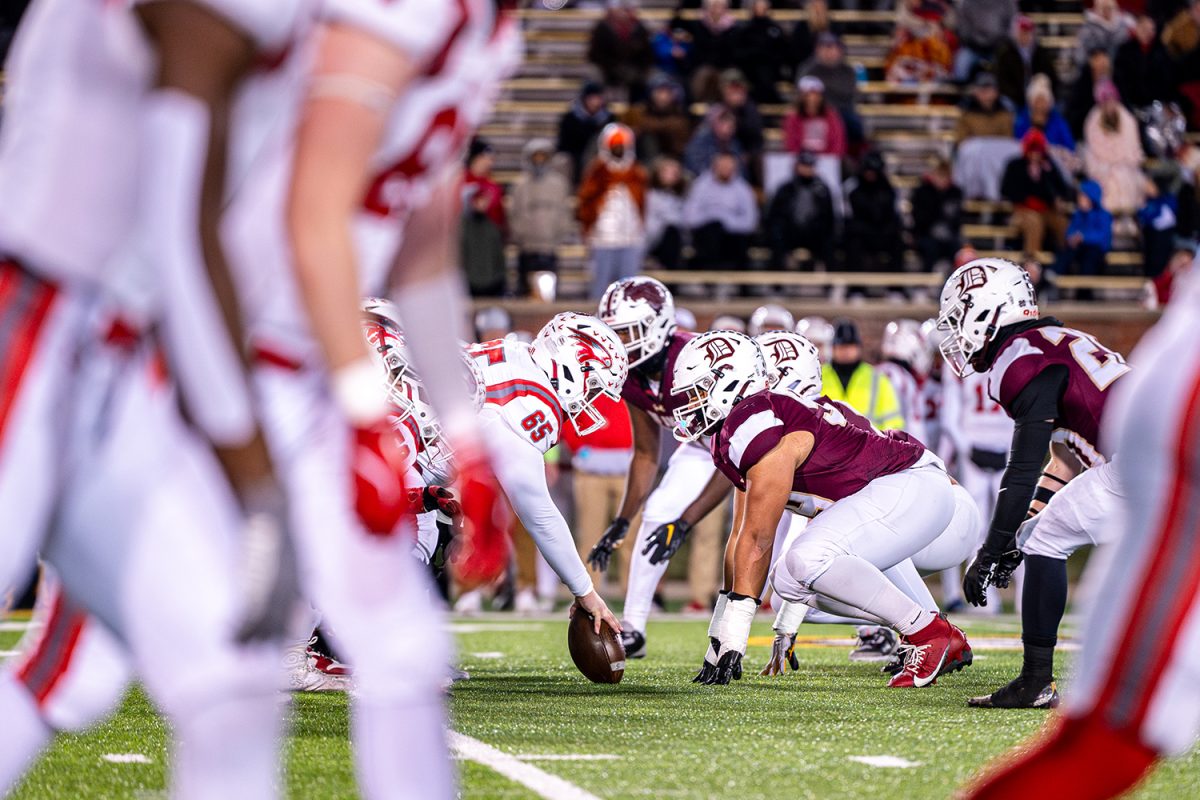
721	213
492	322
813	125
1104	25
1142	68
937	214
1036	189
661	123
921	48
1040	114
862	386
1081	94
713	45
481	160
1159	222
840	81
1019	58
620	48
611	209
540	213
1088	238
801	215
983	25
481	245
582	122
985	112
984	139
873	226
673	48
735	95
1113	152
804	35
761	52
664	212
717	134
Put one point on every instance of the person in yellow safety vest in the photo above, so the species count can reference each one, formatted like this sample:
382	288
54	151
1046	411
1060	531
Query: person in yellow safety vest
858	384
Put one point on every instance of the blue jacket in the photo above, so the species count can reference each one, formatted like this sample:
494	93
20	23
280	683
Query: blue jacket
1095	225
1058	132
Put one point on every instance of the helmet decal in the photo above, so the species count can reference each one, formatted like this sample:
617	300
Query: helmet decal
717	350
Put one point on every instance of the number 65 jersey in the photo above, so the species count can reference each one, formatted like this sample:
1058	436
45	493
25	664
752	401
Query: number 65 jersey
519	391
1092	371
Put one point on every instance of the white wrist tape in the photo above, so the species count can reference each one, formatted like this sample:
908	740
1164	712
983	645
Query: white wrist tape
714	627
735	624
358	390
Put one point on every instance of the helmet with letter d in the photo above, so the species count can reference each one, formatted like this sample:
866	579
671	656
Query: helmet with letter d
714	372
980	298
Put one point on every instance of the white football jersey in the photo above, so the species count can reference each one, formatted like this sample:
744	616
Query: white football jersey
466	51
519	391
908	393
970	417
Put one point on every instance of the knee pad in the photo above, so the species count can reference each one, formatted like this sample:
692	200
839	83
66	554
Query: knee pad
796	570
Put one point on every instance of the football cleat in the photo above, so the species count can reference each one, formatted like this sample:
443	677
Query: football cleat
875	643
469	603
310	671
1021	693
937	649
633	641
896	662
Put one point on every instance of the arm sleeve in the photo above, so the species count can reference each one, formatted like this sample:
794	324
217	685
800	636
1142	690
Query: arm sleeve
1034	411
522	474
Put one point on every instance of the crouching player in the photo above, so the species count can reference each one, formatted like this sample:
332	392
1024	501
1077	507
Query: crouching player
879	498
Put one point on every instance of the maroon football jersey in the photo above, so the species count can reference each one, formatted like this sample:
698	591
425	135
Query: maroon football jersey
1092	372
654	397
847	452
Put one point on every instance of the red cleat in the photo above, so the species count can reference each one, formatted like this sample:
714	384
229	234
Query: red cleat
937	649
481	551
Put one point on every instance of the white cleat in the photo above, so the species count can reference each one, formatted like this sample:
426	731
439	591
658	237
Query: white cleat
469	603
310	671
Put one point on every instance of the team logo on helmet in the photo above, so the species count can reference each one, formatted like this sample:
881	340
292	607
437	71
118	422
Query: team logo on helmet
590	349
971	279
717	350
783	350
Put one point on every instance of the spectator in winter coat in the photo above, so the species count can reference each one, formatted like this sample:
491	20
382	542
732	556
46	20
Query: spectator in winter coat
761	52
922	51
1019	59
1089	235
801	215
840	82
661	123
805	33
481	245
1104	25
611	209
873	226
1041	114
540	218
721	214
579	126
985	113
1081	94
1142	68
481	159
1159	223
1113	153
984	138
937	213
982	26
713	42
718	134
811	124
664	212
620	48
735	95
1036	190
673	49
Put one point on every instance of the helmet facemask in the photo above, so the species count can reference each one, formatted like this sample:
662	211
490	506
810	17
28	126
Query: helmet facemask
696	418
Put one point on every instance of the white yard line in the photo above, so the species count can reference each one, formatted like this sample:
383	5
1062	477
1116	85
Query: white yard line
488	654
551	787
886	762
126	758
16	626
565	757
498	627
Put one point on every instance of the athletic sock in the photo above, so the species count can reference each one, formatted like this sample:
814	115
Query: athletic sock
904	576
858	583
229	749
1044	602
23	735
400	749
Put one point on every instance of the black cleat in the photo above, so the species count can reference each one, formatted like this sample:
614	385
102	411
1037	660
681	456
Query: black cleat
634	643
1021	693
875	643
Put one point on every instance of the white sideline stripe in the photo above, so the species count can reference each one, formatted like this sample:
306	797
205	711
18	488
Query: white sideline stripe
470	627
126	758
18	626
886	762
566	757
543	784
9	653
488	654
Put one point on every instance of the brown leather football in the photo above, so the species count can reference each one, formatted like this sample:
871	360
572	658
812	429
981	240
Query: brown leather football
601	658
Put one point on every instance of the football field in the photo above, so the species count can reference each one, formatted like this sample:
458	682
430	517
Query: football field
527	725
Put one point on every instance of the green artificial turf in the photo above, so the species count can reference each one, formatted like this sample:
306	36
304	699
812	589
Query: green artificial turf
788	737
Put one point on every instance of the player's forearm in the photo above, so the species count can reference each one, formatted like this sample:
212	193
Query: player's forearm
752	560
1030	443
713	494
327	275
1053	477
642	471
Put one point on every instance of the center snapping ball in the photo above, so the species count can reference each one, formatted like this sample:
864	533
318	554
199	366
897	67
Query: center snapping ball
600	658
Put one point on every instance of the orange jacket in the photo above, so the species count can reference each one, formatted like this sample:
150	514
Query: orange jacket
595	185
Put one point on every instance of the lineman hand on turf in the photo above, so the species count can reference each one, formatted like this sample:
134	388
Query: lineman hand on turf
783	652
709	667
666	540
729	668
611	540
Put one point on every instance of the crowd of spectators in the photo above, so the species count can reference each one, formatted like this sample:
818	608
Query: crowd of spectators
665	154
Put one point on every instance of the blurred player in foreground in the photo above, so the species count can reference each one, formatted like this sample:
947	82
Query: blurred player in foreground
1136	694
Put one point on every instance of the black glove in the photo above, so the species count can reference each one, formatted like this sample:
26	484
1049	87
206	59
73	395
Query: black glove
729	668
993	566
439	498
709	668
666	540
610	541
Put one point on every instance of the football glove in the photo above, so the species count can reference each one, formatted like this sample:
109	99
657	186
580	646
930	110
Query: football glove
991	567
783	652
379	463
436	498
709	668
480	553
666	541
611	540
729	668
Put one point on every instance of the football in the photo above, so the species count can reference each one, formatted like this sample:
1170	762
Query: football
601	658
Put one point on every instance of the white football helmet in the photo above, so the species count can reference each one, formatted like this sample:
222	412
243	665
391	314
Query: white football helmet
771	317
715	371
819	331
980	298
793	362
642	312
585	360
728	322
904	340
